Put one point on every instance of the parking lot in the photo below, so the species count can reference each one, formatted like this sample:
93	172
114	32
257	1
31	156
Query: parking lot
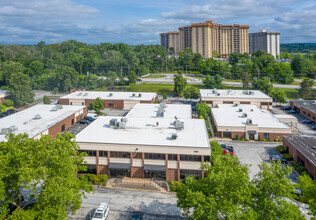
302	128
253	153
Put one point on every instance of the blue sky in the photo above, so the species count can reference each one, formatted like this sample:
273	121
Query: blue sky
141	21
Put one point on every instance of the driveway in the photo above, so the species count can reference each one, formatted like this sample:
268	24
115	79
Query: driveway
122	203
253	153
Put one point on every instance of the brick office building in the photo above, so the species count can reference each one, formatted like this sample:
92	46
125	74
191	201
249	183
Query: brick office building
118	100
307	108
303	150
247	121
145	147
42	120
243	97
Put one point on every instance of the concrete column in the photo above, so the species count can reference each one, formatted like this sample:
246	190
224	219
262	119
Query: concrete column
222	134
109	158
178	167
131	156
98	168
166	161
202	169
143	163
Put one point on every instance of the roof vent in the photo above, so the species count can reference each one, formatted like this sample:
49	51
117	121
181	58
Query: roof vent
240	110
214	90
244	115
79	94
218	94
251	110
124	120
251	93
140	95
110	94
235	105
37	117
133	94
58	106
120	125
245	92
249	122
174	136
178	125
163	105
113	122
160	114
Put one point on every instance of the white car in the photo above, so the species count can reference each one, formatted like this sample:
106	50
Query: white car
101	212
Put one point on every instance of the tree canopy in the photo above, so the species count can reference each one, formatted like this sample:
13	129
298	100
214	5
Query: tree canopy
42	170
97	105
179	84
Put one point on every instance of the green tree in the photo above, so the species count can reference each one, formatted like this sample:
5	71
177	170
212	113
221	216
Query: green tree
246	81
203	109
261	84
212	83
179	84
228	193
299	66
8	102
191	93
66	78
35	68
309	192
278	95
46	100
132	77
97	105
45	168
305	90
19	89
164	95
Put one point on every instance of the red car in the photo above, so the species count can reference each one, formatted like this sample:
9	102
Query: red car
226	151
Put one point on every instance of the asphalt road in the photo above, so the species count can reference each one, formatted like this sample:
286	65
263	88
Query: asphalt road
122	203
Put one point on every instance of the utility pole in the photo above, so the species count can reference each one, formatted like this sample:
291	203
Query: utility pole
166	63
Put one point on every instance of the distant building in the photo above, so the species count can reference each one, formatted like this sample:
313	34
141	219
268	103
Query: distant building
205	38
243	97
170	39
266	41
3	94
307	108
303	150
42	120
247	121
118	100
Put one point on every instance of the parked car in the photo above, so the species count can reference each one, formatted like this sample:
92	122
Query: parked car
4	114
276	158
292	112
84	122
101	212
230	148
136	216
314	127
226	151
286	108
306	121
88	118
223	145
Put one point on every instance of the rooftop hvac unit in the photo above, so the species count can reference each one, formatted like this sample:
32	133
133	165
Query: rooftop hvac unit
160	114
245	92
251	92
249	122
110	94
161	109
113	122
124	120
5	131
218	94
214	90
58	106
133	94
163	105
244	115
54	108
120	125
235	105
240	110
9	129
85	94
79	94
140	95
251	110
179	125
174	136
37	116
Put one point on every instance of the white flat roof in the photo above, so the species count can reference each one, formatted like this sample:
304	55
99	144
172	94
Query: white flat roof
210	93
145	131
25	122
150	111
285	116
229	115
144	96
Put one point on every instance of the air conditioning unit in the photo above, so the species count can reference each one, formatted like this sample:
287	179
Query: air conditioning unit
244	115
160	114
174	136
113	122
140	95
37	116
124	120
179	125
249	122
240	110
120	125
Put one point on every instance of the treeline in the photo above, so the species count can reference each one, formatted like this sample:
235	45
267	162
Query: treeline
298	47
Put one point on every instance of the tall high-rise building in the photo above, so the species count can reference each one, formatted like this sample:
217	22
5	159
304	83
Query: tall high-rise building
266	41
205	38
170	39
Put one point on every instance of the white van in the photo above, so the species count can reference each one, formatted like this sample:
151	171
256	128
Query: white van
101	212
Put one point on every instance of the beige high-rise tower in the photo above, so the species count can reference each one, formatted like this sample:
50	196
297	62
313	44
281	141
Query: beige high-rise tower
205	38
170	39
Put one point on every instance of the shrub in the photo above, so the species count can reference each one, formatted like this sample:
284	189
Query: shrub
92	177
287	156
8	103
173	185
201	117
84	178
55	91
237	137
46	100
165	95
103	177
281	149
259	138
300	169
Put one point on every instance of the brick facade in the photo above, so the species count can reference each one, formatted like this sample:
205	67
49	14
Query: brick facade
63	101
272	136
1	100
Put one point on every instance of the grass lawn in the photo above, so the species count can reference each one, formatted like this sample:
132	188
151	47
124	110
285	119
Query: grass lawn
155	76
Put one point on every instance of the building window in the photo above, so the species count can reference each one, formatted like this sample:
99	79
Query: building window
195	173
246	103
172	157
88	153
63	128
266	135
72	121
82	103
155	156
103	153
111	105
309	115
228	102
90	169
70	103
190	158
209	102
120	154
207	158
314	117
304	112
227	134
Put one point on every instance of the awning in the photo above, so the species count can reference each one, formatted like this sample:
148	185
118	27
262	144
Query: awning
120	166
149	167
252	132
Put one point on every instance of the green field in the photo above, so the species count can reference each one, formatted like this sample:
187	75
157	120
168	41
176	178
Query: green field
155	76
